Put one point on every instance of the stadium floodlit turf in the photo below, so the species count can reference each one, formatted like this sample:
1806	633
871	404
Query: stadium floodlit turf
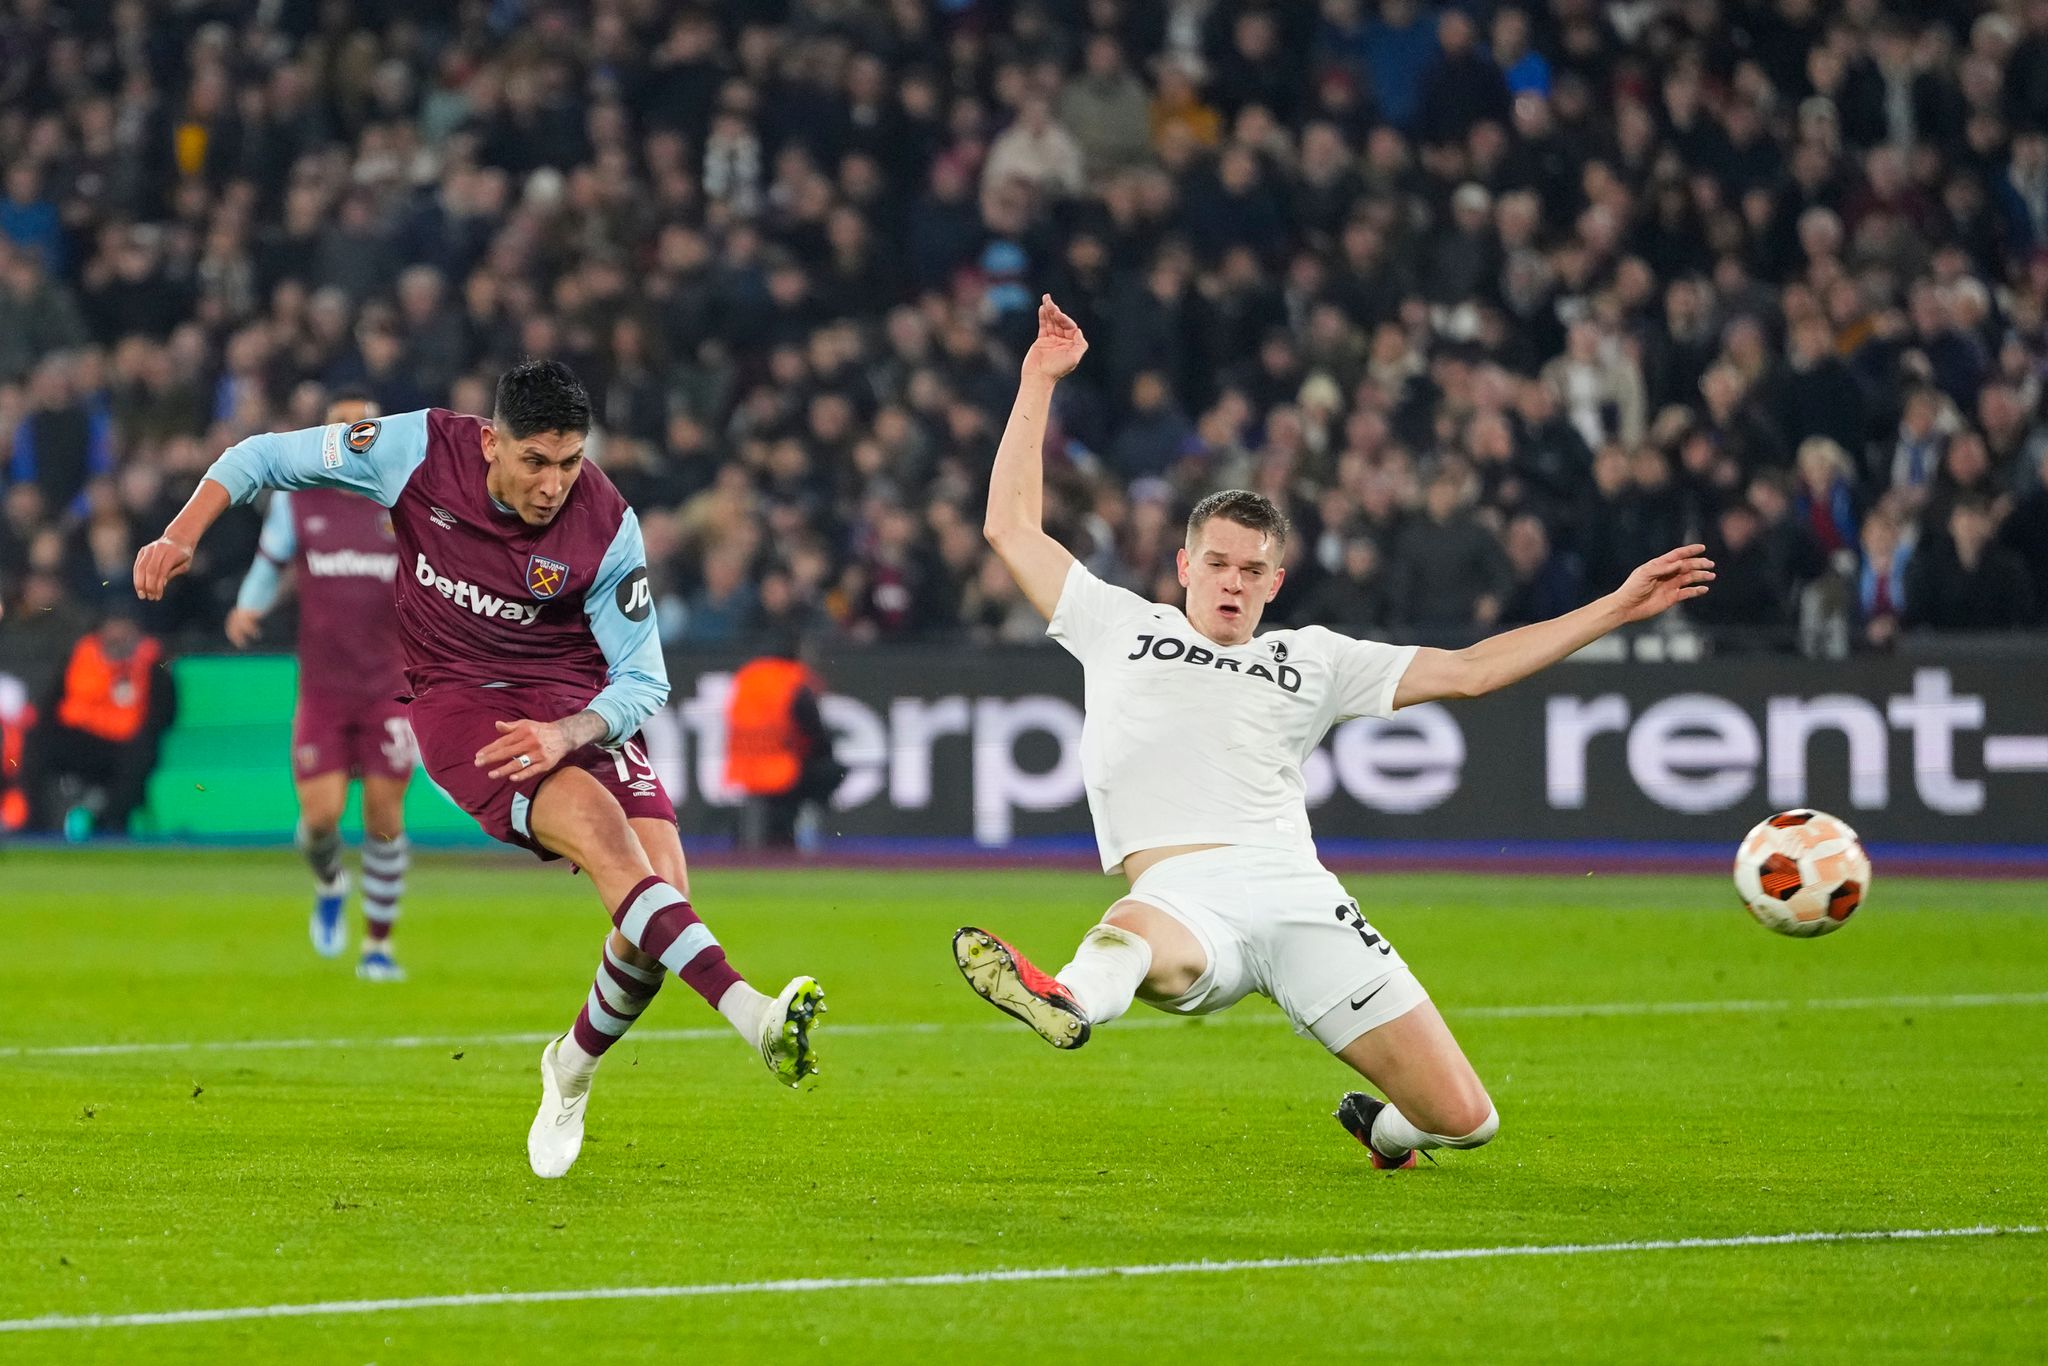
1665	1070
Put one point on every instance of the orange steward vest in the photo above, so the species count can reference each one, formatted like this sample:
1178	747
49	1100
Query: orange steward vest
107	698
764	754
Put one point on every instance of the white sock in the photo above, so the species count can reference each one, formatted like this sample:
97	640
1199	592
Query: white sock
744	1007
573	1067
1393	1135
1107	971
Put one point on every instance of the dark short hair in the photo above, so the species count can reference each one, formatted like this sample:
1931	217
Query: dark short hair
355	393
1247	509
541	396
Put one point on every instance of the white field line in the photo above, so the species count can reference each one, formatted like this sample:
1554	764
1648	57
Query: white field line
1551	1011
813	1284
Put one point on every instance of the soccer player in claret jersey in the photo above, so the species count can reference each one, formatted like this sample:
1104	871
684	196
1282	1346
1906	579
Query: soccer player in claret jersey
532	658
349	722
1191	752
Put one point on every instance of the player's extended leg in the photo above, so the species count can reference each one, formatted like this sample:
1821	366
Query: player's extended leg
386	856
637	867
627	979
1433	1097
321	798
1137	949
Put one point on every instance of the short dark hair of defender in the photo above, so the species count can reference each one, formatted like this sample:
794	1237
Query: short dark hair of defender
1244	507
541	396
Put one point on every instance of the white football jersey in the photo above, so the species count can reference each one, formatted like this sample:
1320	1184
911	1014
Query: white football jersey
1189	742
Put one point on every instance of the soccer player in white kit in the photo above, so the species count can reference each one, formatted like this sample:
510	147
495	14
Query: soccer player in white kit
1191	750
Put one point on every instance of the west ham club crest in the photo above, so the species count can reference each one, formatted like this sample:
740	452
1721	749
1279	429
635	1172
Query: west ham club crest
545	577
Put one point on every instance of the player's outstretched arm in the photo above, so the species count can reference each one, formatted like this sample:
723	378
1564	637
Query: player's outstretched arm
1015	524
374	457
1511	656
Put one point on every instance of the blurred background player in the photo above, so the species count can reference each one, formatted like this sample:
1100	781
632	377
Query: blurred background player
349	722
1192	741
777	749
532	657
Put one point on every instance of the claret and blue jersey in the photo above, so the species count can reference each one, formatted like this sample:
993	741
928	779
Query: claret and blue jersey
344	551
483	599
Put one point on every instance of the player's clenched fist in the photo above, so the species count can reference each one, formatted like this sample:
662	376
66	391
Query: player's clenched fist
156	564
244	626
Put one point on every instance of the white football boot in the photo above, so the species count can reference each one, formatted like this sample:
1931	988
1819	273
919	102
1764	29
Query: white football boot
557	1133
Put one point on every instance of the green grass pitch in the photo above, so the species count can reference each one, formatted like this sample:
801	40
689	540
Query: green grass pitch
1893	1076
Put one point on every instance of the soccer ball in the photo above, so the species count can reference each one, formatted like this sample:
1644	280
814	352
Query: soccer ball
1802	873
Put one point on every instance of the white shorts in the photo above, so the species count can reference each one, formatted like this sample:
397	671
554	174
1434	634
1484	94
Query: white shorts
1277	922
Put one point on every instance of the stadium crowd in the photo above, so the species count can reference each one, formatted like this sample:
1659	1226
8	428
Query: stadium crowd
1497	301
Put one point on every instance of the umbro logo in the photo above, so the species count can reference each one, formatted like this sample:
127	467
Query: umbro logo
444	519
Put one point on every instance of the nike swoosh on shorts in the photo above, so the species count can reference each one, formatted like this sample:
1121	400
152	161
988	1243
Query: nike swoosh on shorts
1360	1005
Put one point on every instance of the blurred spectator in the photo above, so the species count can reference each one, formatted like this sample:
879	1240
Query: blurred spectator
89	758
2013	435
1157	434
1826	502
1820	395
1966	581
1354	597
994	609
1526	70
1462	88
1881	579
1925	424
1737	425
888	591
64	442
1106	109
1400	49
1599	387
1635	510
1965	474
1546	581
722	609
1181	120
28	217
38	316
40	626
1750	586
1452	571
1037	150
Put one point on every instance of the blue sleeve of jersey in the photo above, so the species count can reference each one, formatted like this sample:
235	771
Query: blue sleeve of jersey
274	550
330	457
620	606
